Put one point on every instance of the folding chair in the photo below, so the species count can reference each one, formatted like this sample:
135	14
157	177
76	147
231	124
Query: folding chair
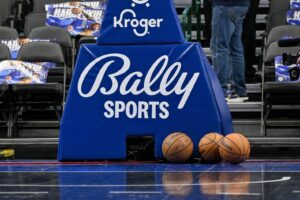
33	20
7	33
39	5
5	100
4	52
5	11
49	96
57	35
276	93
277	33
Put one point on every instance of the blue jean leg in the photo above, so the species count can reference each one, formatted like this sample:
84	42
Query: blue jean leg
226	32
237	51
222	29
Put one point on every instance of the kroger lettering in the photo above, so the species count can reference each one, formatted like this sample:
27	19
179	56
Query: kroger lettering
136	83
132	21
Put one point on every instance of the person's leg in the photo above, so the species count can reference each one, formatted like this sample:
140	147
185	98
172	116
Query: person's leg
237	51
222	29
249	39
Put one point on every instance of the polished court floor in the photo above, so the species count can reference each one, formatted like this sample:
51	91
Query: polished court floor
122	181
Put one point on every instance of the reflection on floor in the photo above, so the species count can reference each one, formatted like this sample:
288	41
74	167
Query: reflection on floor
51	180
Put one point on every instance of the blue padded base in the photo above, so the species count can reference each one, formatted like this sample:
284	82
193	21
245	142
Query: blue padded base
164	102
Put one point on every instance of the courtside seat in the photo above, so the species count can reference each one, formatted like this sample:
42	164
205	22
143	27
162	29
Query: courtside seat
276	93
4	52
5	11
39	5
5	92
270	53
277	6
4	55
31	100
277	33
52	92
277	13
57	35
284	88
281	94
33	20
7	33
274	50
85	40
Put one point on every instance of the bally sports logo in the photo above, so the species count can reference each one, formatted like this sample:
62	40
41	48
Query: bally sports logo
167	76
128	19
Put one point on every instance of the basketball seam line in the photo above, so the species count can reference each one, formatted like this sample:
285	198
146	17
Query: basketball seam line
209	150
243	143
212	141
233	143
173	143
181	150
232	152
240	157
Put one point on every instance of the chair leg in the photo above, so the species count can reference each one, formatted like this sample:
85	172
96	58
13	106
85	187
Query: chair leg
58	115
10	124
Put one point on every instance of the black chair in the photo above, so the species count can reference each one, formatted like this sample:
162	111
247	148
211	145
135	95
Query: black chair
48	94
7	33
4	52
277	6
39	5
5	95
33	20
277	93
5	11
57	35
46	52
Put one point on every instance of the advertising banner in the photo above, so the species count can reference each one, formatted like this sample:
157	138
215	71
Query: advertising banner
19	72
79	18
294	4
293	17
286	73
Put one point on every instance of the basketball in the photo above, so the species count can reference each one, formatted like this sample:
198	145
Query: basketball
234	148
177	147
209	148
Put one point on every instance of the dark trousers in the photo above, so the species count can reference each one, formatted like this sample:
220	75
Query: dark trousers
249	33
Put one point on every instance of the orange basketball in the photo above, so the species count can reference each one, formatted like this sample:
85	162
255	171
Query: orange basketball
209	147
234	148
177	147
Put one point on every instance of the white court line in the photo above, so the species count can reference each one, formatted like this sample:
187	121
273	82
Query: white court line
233	193
148	171
296	191
24	192
135	192
285	178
